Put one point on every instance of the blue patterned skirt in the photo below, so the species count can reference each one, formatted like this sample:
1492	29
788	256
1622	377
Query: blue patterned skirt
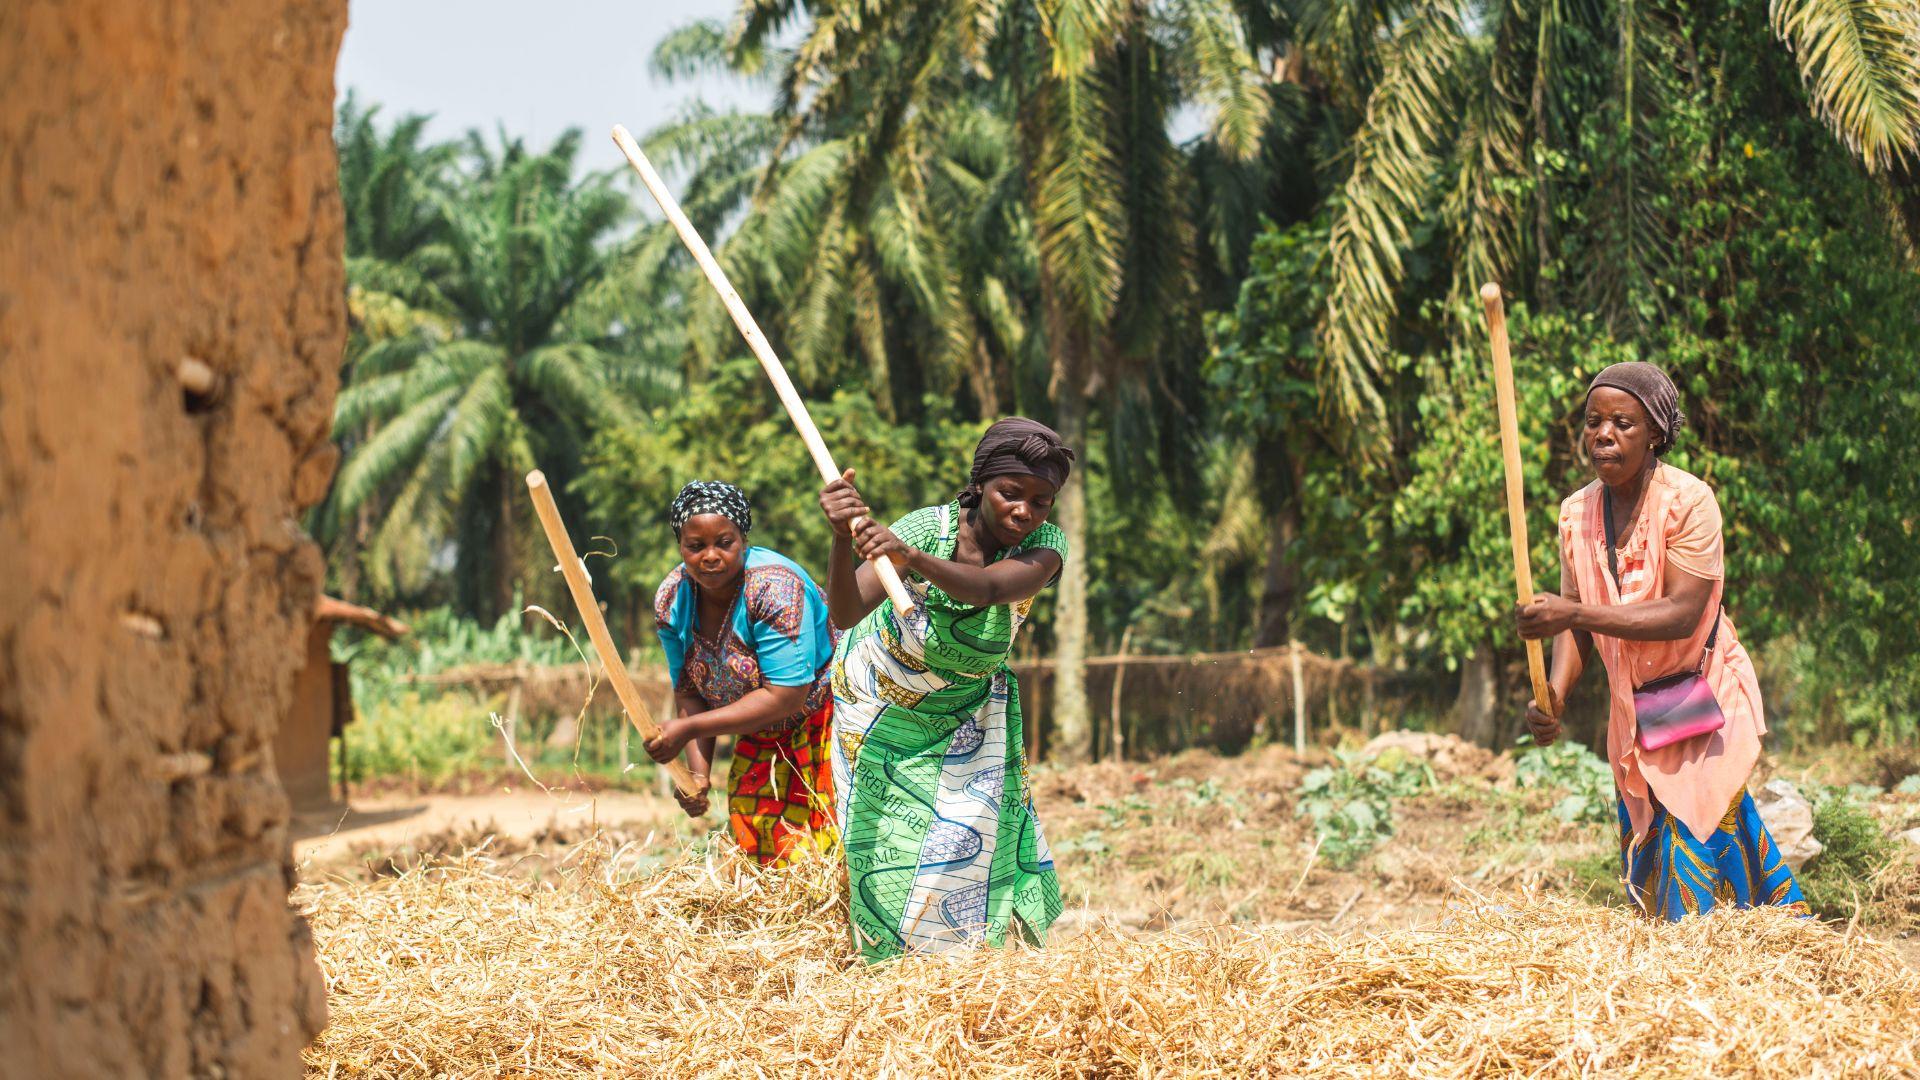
1671	875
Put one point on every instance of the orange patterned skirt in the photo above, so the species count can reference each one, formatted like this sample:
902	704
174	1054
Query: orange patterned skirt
780	790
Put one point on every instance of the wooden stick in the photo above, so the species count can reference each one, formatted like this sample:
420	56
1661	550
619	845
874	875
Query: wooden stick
195	376
1299	700
576	576
1119	678
757	341
1516	483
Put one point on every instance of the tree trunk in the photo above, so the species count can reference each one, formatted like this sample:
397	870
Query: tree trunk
1118	743
503	561
1476	705
1072	741
1281	587
984	379
354	546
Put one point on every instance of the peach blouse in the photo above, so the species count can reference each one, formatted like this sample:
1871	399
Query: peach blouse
1697	779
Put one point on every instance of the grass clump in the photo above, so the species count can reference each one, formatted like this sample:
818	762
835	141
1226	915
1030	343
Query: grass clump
1855	854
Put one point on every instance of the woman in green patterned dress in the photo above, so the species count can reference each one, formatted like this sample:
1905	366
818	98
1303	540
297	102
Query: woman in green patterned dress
935	812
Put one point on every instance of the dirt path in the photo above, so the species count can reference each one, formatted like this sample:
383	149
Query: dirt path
399	821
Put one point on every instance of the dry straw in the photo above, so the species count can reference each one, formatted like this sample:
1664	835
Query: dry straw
715	968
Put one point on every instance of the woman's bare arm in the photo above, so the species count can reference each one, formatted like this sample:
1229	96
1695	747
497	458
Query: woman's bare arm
853	589
1670	617
1015	578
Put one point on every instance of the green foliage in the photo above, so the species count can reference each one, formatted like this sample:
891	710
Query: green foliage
1596	877
427	739
1855	849
1699	218
1854	845
441	639
1351	802
1583	775
633	470
1861	63
953	212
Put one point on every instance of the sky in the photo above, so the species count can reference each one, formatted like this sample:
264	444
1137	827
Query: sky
537	69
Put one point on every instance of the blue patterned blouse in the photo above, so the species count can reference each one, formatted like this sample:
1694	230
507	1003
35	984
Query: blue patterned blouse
778	634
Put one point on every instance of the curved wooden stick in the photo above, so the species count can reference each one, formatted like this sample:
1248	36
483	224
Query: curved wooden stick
757	341
576	576
1516	483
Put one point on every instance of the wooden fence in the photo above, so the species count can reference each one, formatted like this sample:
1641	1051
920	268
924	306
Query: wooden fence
1141	704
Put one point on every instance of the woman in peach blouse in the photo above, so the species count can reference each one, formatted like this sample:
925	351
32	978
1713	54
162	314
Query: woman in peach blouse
1690	838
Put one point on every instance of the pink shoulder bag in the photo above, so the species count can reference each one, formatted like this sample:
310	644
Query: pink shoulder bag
1676	707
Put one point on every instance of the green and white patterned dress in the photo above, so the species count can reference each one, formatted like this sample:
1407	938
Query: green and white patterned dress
929	767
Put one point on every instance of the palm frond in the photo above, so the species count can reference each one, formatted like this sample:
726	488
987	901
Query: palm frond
1860	60
475	423
376	397
691	50
1079	31
1224	78
1410	113
394	447
1079	217
1632	234
574	379
1483	207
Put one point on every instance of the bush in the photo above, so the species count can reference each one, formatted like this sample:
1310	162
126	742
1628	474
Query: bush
430	739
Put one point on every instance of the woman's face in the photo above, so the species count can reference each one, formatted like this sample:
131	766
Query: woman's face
1619	435
1015	506
712	548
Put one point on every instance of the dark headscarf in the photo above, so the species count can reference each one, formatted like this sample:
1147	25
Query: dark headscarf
1656	393
1018	446
711	497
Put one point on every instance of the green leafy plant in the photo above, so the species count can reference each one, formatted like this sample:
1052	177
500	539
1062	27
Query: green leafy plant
427	739
1351	803
1583	775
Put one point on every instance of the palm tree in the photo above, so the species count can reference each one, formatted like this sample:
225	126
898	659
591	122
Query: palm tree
530	366
1087	92
1471	98
392	186
923	279
1529	133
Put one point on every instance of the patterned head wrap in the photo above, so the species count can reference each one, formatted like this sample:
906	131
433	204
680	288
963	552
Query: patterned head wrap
711	497
1018	446
1656	394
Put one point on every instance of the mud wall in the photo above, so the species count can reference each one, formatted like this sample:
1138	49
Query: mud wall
167	194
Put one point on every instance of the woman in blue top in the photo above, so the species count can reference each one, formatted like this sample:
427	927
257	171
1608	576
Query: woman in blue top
750	650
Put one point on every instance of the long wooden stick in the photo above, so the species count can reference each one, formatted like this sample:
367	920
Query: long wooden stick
1516	483
576	576
757	341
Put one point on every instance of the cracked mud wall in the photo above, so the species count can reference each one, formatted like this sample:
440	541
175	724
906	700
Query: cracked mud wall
167	191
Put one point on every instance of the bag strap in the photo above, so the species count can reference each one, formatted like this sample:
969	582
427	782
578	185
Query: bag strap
1613	567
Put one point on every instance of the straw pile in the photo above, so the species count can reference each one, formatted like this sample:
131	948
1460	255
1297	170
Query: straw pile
714	968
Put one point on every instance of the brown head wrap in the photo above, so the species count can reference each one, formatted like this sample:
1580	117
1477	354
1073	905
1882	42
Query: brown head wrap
1656	393
1018	446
